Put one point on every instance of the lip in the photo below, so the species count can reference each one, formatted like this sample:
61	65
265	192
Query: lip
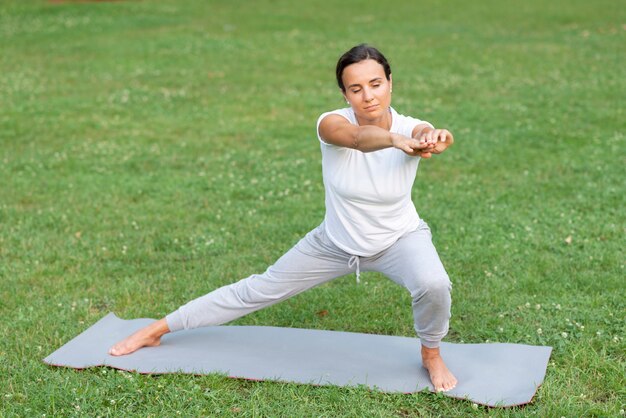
372	107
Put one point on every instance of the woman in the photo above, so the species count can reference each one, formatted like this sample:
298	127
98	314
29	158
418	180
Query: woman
370	155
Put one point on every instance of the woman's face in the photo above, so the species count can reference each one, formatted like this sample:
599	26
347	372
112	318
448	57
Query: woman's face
368	91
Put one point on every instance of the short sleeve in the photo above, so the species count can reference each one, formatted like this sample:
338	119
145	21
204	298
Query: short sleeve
409	123
340	112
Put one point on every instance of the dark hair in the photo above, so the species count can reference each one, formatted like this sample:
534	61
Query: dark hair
360	53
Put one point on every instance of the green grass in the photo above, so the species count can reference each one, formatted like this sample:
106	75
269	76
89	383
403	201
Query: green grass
152	151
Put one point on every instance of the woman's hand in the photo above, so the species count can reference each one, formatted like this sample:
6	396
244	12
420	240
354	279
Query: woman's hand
411	146
436	141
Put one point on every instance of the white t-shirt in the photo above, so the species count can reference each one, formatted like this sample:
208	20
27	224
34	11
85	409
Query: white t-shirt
368	195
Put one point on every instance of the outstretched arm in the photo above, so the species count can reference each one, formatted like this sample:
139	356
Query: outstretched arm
336	130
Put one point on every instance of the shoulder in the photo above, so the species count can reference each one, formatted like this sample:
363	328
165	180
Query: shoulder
346	113
405	119
404	124
335	116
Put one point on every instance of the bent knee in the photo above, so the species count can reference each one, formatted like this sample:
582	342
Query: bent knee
435	286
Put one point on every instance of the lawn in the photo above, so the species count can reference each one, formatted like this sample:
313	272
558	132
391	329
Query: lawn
153	151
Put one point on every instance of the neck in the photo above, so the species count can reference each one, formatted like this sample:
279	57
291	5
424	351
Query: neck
383	122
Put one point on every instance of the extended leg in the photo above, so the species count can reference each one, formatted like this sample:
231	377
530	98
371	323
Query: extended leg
314	260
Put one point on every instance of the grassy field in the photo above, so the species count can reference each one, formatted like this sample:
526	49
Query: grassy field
153	151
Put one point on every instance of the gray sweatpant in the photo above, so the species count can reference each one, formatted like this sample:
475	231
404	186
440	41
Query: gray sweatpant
412	262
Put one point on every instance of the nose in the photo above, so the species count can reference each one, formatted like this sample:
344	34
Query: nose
367	95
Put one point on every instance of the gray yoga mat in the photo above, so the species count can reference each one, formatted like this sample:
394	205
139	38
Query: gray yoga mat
489	374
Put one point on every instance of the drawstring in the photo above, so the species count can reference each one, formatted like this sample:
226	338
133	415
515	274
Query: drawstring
356	260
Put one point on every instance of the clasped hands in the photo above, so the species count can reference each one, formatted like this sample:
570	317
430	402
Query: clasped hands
427	143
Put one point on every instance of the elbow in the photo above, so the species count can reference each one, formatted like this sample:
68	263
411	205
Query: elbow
356	140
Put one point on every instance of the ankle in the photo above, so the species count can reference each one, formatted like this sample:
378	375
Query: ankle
158	329
430	353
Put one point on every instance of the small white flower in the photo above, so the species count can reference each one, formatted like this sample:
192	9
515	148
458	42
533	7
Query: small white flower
539	331
475	405
564	334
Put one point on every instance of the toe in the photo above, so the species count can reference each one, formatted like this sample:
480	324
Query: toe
115	350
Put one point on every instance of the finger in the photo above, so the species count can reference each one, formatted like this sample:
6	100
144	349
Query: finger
403	147
419	144
433	135
412	146
411	152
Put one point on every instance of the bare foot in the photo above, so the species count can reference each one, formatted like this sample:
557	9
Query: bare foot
149	336
440	376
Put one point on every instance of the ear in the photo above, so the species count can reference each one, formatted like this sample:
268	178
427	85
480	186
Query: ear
390	82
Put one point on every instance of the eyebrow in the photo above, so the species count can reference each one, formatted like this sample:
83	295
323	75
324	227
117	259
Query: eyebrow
371	81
